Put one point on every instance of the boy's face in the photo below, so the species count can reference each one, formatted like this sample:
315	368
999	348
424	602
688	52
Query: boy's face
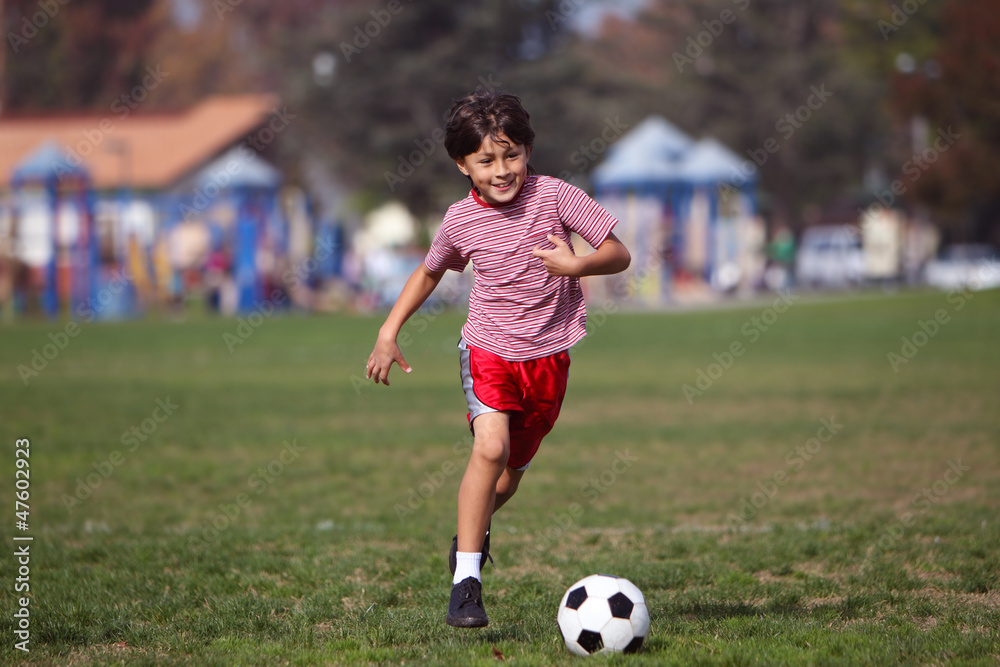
497	169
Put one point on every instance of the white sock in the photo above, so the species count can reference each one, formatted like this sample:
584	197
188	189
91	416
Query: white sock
466	565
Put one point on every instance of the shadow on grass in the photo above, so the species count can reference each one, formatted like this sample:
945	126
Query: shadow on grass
496	633
704	610
788	606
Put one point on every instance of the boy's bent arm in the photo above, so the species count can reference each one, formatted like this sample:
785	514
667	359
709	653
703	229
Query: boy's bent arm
419	286
610	257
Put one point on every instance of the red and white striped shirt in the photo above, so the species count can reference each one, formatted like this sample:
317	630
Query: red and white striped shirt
516	309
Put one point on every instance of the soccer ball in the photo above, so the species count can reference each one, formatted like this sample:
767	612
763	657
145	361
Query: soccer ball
603	613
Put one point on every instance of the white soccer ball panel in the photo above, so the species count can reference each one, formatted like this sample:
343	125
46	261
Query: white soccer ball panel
640	620
594	614
576	649
569	624
632	591
617	634
601	585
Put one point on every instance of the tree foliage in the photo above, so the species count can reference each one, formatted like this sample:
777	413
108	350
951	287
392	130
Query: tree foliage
397	74
75	55
817	96
769	79
962	183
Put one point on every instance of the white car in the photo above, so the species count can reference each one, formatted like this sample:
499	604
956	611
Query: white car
830	256
972	265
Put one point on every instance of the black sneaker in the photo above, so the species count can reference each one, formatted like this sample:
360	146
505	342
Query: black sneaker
465	609
453	557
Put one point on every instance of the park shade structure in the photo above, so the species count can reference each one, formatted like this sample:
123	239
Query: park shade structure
251	192
688	207
53	202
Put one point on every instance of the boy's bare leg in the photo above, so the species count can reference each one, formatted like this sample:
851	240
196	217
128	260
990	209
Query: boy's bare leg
507	486
477	494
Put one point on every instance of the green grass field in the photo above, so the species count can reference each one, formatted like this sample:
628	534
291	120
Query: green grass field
813	505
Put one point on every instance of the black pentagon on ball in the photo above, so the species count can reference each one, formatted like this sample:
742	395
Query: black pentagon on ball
621	606
634	645
590	641
576	598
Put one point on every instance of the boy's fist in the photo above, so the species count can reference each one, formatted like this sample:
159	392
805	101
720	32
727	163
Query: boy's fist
559	261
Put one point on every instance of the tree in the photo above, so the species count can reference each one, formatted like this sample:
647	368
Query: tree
960	182
771	79
396	75
378	118
73	55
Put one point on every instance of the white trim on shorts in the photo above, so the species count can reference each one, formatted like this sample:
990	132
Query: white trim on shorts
476	407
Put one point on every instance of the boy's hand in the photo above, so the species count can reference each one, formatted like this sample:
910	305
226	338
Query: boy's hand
380	361
559	261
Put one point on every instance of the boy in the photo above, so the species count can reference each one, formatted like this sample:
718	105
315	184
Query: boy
526	310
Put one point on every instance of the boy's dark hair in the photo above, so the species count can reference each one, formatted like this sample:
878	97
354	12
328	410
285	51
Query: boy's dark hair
486	114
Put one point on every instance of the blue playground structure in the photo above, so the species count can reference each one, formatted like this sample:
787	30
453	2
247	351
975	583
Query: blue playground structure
54	202
241	182
108	255
684	202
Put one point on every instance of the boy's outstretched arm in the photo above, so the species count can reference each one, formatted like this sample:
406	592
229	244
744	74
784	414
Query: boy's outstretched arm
418	287
610	257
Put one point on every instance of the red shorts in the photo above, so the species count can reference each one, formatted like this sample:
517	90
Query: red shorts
531	391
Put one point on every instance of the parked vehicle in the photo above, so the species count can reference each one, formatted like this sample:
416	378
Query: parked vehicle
972	265
830	256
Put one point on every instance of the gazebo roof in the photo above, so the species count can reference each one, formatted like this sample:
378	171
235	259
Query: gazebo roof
710	161
50	160
251	171
655	153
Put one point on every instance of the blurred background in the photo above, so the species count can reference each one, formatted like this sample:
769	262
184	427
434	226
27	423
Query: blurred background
232	156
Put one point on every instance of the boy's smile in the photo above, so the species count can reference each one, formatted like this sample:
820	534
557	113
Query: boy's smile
498	169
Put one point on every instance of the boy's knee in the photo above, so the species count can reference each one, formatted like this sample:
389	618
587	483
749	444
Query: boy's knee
494	451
